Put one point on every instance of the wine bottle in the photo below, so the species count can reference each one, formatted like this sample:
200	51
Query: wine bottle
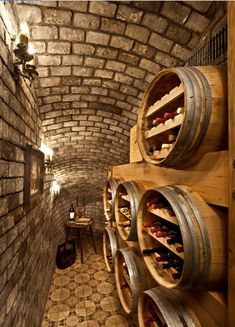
126	223
165	265
161	234
179	249
174	240
71	212
176	275
166	146
171	137
162	257
180	110
123	285
160	249
158	205
169	115
158	120
154	230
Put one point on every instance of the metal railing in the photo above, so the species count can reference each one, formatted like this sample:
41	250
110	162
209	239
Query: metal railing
214	52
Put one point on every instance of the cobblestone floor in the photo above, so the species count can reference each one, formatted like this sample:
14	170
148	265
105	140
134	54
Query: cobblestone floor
85	295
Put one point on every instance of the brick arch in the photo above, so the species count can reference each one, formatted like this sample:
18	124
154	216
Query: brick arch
95	60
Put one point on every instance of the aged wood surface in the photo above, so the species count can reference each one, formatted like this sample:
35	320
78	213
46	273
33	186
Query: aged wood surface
231	103
209	177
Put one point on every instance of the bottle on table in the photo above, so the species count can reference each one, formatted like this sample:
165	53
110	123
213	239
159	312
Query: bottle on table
71	212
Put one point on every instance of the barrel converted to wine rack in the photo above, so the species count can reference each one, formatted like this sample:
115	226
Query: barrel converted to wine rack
126	204
159	307
110	247
130	278
183	116
182	238
108	198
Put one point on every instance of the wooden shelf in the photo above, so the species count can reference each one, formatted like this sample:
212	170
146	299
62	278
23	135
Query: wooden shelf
165	100
169	124
163	241
161	154
125	197
125	215
162	213
126	277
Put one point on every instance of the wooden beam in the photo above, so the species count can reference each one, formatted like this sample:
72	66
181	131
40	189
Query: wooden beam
231	112
209	177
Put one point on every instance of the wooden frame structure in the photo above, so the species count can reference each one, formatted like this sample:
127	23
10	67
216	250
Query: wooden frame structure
214	179
34	177
231	111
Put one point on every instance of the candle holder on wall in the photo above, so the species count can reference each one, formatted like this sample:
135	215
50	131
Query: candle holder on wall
25	65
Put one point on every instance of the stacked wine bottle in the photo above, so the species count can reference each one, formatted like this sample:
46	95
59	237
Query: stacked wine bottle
182	238
126	204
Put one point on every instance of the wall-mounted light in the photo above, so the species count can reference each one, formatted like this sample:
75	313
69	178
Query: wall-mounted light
24	52
48	152
55	189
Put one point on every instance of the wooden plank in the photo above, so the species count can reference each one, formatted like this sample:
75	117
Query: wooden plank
209	177
168	98
206	310
231	116
163	213
214	303
169	124
163	240
135	155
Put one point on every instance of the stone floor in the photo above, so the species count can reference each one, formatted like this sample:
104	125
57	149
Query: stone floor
84	295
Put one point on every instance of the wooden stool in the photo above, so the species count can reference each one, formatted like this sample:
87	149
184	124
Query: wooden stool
73	231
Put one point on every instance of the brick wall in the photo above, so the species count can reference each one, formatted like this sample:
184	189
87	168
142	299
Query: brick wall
27	242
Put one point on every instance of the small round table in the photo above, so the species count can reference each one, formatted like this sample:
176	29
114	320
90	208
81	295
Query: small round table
73	230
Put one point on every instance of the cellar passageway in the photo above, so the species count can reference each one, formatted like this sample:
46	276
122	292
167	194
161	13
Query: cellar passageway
95	60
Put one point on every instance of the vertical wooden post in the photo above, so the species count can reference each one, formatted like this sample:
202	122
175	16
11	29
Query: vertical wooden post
231	109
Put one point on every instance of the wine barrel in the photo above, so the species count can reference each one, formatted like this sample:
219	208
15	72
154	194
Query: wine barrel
125	206
108	198
182	238
183	115
110	247
162	307
130	278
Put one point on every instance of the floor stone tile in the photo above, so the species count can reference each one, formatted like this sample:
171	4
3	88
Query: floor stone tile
85	295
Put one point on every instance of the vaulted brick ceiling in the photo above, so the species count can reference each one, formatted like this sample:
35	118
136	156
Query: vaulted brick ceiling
95	60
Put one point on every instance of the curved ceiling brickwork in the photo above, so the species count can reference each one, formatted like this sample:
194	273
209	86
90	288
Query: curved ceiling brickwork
95	60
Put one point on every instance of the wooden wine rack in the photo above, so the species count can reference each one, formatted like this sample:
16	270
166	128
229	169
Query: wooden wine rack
213	177
199	253
108	198
180	112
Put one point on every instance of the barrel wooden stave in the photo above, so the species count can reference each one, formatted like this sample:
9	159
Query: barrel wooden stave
170	307
134	190
137	275
109	238
204	127
111	184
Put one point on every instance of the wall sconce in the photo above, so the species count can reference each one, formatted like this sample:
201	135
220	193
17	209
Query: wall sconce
48	152
24	52
55	189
